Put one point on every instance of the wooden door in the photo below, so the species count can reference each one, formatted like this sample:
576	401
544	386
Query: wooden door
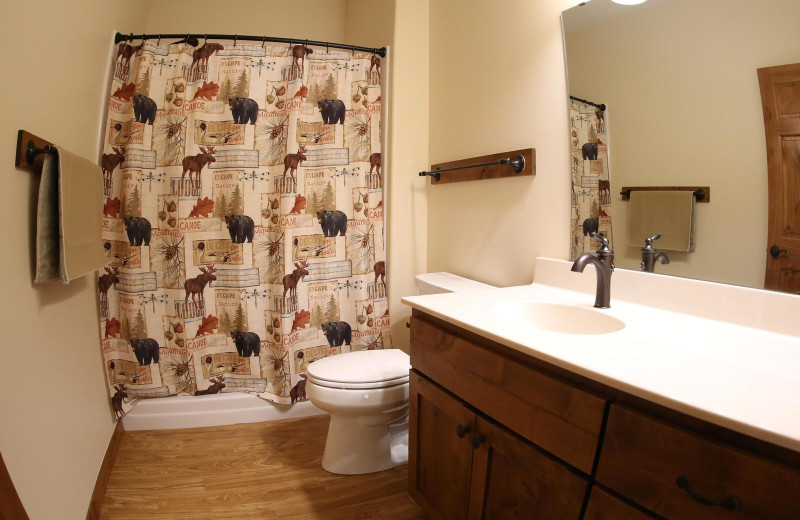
10	504
439	458
513	479
780	100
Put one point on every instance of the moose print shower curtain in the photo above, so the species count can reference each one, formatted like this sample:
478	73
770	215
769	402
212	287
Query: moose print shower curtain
243	218
591	184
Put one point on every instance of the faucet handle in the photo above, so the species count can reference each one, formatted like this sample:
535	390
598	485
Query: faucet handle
600	239
649	241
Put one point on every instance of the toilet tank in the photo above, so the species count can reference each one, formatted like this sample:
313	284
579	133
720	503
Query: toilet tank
435	283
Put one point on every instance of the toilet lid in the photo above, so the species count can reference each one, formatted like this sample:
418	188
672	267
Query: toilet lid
364	368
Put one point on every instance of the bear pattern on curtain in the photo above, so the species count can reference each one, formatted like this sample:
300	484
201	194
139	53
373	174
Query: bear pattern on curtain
591	184
243	218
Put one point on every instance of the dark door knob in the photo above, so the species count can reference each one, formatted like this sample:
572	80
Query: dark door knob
462	431
776	251
475	441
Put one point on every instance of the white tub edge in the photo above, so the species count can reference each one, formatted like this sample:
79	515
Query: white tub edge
177	412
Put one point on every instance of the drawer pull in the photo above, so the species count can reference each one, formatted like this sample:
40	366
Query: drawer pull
475	441
462	431
729	503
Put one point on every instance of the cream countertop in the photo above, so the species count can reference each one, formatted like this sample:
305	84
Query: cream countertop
727	355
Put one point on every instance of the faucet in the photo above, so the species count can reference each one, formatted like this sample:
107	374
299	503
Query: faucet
603	261
650	255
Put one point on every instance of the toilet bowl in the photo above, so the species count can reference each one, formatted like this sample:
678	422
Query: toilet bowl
366	395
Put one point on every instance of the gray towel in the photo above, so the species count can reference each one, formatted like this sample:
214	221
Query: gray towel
671	213
69	219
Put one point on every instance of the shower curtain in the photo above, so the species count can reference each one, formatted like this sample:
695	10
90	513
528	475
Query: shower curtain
243	218
591	186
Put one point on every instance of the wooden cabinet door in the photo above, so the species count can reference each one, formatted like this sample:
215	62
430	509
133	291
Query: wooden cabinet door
512	479
780	99
439	460
603	506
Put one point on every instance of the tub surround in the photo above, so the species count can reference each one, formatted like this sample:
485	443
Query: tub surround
723	354
176	412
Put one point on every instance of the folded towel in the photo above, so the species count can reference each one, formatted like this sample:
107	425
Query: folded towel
69	219
671	213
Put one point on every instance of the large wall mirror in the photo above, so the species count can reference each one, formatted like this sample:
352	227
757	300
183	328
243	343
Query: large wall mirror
684	108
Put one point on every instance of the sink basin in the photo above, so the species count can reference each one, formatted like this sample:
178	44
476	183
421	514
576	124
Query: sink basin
555	317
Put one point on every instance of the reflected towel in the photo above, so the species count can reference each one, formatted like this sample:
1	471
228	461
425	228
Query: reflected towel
671	213
69	219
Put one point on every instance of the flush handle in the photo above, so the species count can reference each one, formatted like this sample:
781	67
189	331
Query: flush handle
776	251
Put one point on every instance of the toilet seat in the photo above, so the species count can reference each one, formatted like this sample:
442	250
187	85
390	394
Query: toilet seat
359	386
361	370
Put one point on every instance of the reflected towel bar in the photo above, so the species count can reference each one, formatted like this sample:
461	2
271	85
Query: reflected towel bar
701	193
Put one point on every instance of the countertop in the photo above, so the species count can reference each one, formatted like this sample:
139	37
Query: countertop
698	361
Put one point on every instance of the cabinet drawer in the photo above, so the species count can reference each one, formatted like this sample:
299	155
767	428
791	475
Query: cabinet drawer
603	506
679	475
549	412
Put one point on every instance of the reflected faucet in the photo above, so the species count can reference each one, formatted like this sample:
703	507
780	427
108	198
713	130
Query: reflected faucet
650	255
603	261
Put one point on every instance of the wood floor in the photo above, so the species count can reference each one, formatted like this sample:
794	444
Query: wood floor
264	470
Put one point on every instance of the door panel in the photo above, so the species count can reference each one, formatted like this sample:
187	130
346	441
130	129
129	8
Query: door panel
440	462
513	479
780	99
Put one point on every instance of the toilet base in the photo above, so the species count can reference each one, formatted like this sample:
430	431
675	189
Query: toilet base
357	445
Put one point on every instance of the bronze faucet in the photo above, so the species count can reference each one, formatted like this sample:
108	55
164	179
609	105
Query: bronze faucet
650	255
603	261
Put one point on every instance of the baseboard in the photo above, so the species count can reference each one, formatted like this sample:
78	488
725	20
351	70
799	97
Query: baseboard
96	503
10	505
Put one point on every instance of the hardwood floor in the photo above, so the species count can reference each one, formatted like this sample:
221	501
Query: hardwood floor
264	470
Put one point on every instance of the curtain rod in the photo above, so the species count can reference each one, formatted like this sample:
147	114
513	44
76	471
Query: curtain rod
193	39
601	106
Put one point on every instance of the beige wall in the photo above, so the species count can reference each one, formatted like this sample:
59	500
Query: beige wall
56	419
497	84
321	20
687	111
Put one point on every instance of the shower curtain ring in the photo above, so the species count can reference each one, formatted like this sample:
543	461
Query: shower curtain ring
129	38
159	40
235	38
291	41
264	43
205	39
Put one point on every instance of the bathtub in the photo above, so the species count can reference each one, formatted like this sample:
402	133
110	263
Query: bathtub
168	413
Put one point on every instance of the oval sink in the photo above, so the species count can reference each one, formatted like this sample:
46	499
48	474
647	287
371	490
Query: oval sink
554	317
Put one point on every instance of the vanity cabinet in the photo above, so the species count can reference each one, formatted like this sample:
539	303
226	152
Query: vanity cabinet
464	466
497	434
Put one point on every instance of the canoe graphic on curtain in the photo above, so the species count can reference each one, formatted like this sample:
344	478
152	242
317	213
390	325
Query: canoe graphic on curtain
243	218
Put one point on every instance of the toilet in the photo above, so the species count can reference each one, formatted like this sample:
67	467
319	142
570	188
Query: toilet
366	394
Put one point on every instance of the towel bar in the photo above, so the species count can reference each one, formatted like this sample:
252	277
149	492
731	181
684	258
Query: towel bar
495	166
29	147
701	193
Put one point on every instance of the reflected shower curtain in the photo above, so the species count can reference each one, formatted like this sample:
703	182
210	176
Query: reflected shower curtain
243	218
591	186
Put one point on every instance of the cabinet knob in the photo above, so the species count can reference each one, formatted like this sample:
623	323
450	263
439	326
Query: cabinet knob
729	503
475	441
462	431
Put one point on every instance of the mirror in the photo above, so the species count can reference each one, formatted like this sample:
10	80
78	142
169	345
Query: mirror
679	81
